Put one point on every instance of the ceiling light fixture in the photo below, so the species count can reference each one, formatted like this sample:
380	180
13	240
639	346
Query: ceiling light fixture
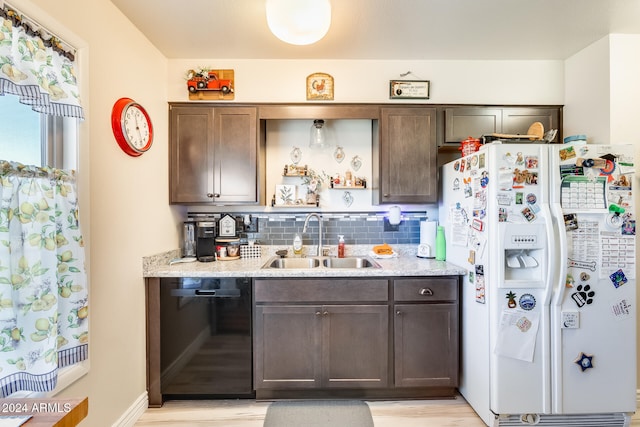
299	22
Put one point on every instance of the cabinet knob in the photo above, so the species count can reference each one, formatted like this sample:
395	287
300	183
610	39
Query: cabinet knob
318	313
325	313
213	195
385	195
398	313
426	291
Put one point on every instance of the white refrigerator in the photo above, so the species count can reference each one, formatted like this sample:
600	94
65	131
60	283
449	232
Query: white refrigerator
546	233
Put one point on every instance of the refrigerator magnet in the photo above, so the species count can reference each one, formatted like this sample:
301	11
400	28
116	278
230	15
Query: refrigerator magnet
528	214
519	158
527	302
621	309
585	361
484	179
476	224
618	278
567	153
583	295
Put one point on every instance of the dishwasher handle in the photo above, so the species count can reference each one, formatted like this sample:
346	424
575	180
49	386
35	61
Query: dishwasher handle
206	293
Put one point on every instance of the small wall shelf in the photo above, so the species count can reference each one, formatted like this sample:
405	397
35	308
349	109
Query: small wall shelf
353	187
294	205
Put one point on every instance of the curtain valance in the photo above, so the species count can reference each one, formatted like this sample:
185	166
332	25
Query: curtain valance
35	66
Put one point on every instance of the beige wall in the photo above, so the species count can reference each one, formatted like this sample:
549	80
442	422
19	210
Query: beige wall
124	210
124	206
465	82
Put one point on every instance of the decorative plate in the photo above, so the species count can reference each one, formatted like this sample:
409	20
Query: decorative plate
347	198
356	163
296	155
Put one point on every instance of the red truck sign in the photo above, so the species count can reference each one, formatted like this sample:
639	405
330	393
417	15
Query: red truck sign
208	81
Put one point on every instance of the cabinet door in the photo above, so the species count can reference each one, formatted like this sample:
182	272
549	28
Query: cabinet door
355	346
190	154
518	120
406	156
287	347
235	169
463	122
426	345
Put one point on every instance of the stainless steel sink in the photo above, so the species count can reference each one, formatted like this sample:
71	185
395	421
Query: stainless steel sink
316	262
350	262
292	263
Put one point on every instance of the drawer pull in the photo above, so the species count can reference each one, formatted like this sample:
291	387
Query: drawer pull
398	313
426	291
318	313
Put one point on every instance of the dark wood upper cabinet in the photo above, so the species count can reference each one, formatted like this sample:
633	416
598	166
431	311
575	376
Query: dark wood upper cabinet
517	121
404	156
217	151
191	154
461	122
214	155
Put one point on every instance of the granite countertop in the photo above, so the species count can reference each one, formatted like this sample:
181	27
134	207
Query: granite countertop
406	263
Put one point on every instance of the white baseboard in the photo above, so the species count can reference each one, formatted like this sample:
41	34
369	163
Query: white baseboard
135	411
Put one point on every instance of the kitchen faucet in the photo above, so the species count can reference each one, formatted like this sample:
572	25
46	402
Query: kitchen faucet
304	229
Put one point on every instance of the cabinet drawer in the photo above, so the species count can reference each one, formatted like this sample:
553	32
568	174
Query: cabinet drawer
321	290
427	290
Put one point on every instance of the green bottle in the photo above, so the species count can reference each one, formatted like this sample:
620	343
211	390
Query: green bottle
441	246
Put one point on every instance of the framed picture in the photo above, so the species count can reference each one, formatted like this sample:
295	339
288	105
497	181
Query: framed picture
319	87
409	89
285	194
208	84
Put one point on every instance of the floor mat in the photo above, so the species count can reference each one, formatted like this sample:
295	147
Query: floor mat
319	413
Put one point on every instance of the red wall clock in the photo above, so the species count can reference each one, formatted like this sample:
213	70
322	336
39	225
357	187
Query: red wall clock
131	127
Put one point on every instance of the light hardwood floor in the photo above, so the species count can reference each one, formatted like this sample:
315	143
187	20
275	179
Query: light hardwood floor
249	413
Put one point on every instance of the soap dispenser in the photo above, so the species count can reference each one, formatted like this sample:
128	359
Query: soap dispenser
340	246
297	244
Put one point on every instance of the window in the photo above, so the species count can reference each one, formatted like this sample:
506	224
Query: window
33	138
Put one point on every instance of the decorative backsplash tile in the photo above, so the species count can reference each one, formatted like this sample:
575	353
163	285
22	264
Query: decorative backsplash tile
358	229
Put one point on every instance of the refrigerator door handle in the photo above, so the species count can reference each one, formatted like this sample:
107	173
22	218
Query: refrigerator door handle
561	278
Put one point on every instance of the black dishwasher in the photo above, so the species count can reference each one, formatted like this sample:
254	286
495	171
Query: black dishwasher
205	338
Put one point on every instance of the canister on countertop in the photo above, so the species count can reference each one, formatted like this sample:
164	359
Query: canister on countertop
225	246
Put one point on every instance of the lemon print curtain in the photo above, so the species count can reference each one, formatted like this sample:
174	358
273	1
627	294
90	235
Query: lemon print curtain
43	286
37	66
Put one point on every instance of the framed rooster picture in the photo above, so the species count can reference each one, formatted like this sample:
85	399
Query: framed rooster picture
319	87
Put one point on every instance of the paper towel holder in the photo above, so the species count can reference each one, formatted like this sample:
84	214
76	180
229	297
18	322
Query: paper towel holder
393	219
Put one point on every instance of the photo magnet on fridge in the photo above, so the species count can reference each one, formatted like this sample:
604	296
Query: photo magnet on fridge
618	278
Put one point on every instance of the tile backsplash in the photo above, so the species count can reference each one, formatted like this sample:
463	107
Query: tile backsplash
357	228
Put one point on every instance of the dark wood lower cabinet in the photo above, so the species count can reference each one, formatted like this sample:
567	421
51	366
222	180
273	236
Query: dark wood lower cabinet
356	338
426	345
287	340
324	346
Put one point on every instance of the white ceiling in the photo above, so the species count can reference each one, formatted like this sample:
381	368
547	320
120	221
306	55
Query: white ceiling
387	29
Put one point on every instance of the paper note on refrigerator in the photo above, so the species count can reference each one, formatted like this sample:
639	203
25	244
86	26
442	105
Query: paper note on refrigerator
517	334
459	225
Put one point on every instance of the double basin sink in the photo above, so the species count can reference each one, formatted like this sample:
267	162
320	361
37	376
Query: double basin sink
318	262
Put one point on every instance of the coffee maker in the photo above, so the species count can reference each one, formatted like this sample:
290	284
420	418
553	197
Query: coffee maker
205	241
